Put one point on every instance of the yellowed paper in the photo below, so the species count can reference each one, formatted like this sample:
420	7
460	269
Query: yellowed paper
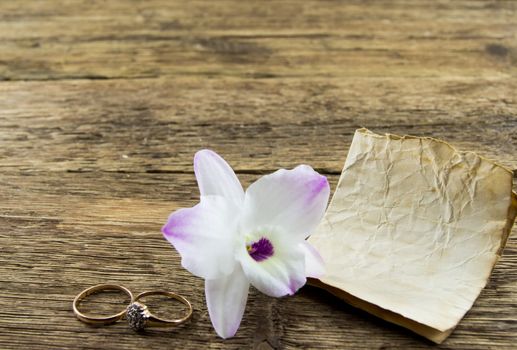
414	229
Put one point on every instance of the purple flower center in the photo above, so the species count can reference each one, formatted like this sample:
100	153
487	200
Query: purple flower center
261	249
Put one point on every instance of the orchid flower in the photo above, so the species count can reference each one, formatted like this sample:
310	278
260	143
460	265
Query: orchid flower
233	238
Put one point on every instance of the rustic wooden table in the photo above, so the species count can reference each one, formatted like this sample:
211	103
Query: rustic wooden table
103	105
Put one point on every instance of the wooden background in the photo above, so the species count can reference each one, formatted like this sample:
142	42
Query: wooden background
103	105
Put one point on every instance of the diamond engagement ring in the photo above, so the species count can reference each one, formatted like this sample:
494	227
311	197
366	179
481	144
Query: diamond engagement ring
97	320
139	317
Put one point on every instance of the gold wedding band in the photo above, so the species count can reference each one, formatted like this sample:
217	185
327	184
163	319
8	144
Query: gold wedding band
139	316
96	320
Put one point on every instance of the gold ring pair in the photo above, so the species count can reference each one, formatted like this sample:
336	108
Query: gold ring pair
137	313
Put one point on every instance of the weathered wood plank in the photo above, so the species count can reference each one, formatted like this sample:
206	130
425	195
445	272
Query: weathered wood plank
157	125
274	39
64	231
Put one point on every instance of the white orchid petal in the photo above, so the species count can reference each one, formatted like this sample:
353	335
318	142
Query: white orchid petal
281	273
293	199
226	300
205	236
215	177
314	264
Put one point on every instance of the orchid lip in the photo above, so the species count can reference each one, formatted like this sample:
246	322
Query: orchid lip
261	249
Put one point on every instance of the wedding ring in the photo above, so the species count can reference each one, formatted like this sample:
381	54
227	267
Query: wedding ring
97	320
139	317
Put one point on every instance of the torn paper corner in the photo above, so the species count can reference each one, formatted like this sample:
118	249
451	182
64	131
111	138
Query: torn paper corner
414	229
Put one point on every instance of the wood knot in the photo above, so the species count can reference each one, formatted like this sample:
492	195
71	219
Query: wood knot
496	50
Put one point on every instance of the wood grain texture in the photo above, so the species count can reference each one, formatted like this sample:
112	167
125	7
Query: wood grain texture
103	104
100	40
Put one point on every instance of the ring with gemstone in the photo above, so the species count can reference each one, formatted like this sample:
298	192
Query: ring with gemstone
139	317
98	320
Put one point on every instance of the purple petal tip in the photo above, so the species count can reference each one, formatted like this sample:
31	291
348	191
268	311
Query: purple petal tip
317	186
293	286
178	220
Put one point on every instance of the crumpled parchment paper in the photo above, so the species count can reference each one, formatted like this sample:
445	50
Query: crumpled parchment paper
414	229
